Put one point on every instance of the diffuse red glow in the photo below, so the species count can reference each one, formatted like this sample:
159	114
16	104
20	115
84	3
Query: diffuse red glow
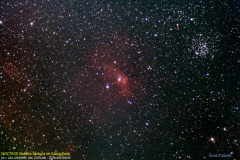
119	79
108	74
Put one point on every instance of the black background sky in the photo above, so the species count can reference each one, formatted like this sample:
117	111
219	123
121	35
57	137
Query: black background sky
120	79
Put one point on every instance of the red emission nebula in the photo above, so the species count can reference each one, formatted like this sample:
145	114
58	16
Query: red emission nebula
111	76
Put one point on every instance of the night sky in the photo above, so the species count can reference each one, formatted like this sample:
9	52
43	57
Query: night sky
120	79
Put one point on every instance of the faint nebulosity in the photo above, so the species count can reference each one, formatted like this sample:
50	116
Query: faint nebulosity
120	79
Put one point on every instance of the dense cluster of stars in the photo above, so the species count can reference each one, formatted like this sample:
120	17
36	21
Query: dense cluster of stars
120	80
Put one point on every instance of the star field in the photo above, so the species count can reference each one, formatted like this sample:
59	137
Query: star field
120	79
